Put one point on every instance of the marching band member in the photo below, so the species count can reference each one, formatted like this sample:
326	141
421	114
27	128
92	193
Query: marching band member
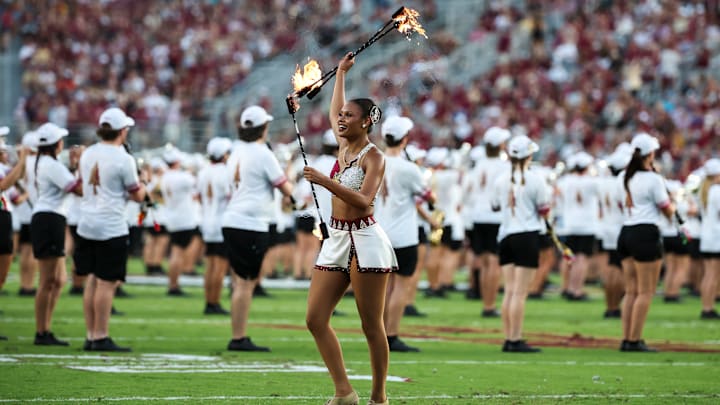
677	254
486	222
613	202
109	177
254	174
581	207
53	180
709	241
179	190
397	214
23	213
358	250
215	191
639	244
521	196
157	237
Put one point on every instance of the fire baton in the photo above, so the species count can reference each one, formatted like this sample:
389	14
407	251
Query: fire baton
292	108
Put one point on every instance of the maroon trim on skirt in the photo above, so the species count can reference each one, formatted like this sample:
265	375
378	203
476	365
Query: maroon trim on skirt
352	224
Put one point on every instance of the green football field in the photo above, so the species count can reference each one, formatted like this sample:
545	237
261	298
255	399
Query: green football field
179	354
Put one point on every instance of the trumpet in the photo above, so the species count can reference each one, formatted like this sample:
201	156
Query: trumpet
436	234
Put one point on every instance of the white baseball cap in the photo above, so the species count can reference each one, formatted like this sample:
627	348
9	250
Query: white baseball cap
116	118
583	160
495	136
396	127
619	159
172	155
437	156
157	163
30	140
50	134
645	143
328	138
218	147
478	153
4	131
624	148
254	116
521	147
712	167
414	152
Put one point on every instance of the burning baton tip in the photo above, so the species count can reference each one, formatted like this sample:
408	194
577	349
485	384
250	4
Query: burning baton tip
399	12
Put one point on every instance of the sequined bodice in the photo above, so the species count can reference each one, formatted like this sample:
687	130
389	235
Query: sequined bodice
353	175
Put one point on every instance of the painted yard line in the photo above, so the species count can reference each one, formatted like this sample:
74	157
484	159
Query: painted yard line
194	359
414	397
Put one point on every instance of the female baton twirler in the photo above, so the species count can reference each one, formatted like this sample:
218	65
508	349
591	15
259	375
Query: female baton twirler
254	174
215	192
639	244
521	196
358	251
396	212
709	241
53	180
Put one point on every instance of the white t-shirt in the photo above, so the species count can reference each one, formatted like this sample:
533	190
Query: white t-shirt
612	198
324	164
395	205
649	195
108	173
529	200
580	196
448	191
214	187
178	189
254	172
53	180
710	229
479	185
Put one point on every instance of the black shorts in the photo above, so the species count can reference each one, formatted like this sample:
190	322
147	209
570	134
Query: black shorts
246	250
582	244
162	230
305	224
641	242
286	236
273	236
673	244
48	235
216	249
407	259
448	241
694	249
24	234
520	249
422	236
6	233
73	231
183	238
106	259
614	258
545	242
483	238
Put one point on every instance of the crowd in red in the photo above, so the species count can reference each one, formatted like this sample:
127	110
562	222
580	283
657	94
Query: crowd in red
571	74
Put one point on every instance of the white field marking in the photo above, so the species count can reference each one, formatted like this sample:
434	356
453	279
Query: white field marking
410	398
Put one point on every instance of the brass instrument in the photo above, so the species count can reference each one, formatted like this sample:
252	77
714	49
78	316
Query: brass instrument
436	234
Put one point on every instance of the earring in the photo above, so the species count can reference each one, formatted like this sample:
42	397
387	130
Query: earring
363	125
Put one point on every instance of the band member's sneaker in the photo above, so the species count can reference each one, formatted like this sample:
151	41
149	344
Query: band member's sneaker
215	309
349	399
115	312
411	310
639	346
624	345
612	313
490	313
397	345
27	292
711	314
106	344
520	346
121	293
87	345
77	290
48	339
176	292
259	291
246	345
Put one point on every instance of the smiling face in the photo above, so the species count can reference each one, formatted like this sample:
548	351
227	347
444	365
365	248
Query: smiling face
350	121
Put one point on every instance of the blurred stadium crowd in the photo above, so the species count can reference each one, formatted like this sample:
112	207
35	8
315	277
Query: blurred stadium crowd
573	74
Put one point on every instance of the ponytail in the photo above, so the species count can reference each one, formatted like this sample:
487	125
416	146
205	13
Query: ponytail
520	163
704	191
48	150
635	165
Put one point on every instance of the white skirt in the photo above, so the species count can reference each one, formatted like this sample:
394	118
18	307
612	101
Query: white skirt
361	238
